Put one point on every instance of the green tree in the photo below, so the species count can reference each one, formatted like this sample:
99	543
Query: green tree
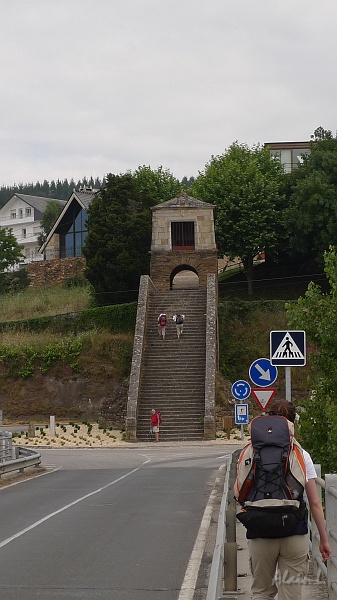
311	216
155	186
10	250
117	247
316	313
186	183
244	184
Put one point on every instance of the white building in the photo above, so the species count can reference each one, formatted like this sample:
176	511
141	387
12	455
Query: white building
22	214
290	154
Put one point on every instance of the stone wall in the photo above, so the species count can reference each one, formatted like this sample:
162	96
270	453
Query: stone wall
55	272
164	263
145	289
211	356
165	216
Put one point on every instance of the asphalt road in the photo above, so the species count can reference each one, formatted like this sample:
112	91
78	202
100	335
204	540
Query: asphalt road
107	523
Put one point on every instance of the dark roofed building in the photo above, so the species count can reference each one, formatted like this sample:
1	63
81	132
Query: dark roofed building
67	236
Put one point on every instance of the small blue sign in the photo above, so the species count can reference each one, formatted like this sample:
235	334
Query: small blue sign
288	348
241	389
241	414
262	373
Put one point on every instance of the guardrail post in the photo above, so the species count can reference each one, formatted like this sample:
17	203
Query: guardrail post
314	531
230	566
331	526
231	523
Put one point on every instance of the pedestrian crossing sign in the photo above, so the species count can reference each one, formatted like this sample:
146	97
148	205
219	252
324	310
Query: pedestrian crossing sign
287	348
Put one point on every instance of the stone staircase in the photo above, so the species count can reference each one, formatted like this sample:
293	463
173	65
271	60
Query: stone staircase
173	371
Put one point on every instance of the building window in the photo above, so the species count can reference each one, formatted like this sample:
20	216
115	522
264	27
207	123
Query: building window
24	233
28	211
20	213
182	235
72	238
13	214
298	155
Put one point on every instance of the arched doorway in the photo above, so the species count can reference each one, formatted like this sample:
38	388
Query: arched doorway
184	277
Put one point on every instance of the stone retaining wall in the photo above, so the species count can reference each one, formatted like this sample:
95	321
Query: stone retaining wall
55	272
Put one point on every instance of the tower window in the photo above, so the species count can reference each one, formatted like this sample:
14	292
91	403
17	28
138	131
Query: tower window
182	234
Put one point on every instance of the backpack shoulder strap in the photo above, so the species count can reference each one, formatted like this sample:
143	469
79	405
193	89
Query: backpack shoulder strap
244	477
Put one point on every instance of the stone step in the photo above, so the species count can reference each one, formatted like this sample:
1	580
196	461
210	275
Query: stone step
177	370
192	420
187	386
174	369
176	404
174	435
145	437
177	427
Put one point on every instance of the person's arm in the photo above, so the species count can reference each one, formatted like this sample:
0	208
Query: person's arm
318	516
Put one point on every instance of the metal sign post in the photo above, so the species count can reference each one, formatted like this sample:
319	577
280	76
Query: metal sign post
288	383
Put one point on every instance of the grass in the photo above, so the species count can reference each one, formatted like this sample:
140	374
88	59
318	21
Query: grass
43	301
270	283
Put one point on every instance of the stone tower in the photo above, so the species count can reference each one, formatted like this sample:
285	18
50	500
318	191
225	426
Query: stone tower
183	239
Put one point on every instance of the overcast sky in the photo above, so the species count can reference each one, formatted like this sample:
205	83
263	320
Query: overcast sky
90	87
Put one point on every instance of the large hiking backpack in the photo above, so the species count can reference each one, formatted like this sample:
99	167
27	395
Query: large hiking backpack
162	320
271	479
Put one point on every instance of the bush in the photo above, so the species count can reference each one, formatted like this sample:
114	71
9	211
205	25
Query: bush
74	281
118	318
244	333
13	282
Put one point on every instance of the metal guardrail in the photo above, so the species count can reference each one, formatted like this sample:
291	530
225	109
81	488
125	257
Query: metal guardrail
223	574
18	460
224	563
329	570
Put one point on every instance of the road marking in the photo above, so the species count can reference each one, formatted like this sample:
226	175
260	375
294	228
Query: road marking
33	476
193	567
56	512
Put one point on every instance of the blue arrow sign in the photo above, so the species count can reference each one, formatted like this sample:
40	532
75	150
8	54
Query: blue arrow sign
241	389
241	414
262	373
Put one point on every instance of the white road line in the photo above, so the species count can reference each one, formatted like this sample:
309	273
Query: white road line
192	571
33	476
56	512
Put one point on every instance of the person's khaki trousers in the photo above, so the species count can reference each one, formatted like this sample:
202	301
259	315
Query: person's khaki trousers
289	555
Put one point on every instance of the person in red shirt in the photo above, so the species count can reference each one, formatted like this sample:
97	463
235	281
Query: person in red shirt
154	422
162	322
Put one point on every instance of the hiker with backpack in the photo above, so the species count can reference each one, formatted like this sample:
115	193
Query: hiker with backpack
155	421
162	322
273	472
179	321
